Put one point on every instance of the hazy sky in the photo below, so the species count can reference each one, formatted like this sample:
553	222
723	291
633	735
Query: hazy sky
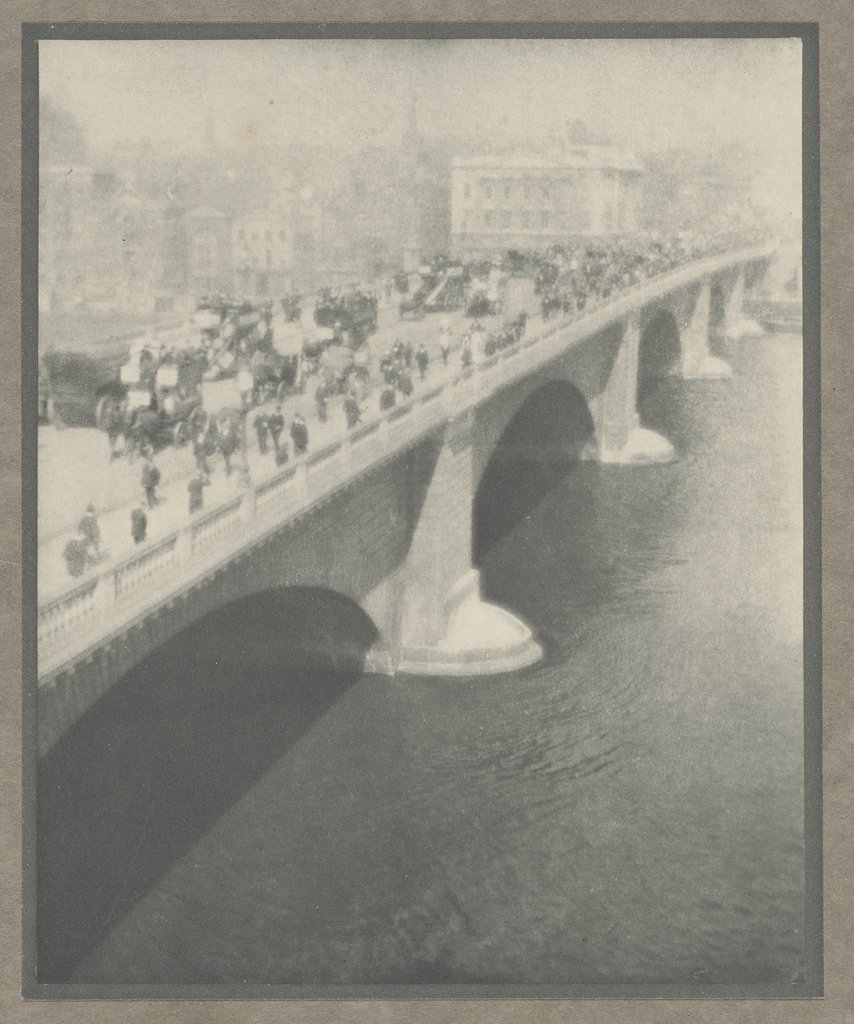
646	93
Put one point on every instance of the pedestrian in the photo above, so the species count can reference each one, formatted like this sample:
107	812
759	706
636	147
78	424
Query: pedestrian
407	355
195	487
352	410
276	424
138	524
261	429
75	555
281	453
465	351
320	402
90	533
445	346
299	434
404	383
387	398
113	426
200	455
150	480
228	444
423	359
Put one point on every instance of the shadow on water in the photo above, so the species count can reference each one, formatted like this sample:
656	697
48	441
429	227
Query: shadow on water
153	766
606	526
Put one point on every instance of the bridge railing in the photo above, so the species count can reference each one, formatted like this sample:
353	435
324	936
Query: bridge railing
76	621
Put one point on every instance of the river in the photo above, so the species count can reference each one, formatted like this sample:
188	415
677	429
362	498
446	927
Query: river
631	810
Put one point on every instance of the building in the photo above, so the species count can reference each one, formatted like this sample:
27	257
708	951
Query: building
208	252
263	252
526	202
100	243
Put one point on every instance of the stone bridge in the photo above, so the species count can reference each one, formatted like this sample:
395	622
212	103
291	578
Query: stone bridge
384	516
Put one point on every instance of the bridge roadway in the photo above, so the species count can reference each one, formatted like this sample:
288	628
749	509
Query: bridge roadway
94	612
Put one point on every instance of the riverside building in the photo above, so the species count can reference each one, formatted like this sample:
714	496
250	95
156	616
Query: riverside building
529	202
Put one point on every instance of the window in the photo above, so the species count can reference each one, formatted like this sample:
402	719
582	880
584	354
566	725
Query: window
525	218
467	190
283	236
507	191
544	218
487	190
487	218
505	218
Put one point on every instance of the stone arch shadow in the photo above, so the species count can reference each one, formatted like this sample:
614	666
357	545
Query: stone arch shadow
539	445
155	763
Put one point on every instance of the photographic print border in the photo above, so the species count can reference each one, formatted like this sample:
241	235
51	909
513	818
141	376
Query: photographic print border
809	35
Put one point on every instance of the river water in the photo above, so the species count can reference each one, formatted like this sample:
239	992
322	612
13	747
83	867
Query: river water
628	811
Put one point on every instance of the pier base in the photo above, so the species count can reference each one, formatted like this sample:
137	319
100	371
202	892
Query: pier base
480	639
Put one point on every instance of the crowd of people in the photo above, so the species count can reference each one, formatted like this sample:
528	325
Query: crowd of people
567	279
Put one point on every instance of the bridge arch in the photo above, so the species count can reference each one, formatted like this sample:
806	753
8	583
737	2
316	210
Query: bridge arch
540	442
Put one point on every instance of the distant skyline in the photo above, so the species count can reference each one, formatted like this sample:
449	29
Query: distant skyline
645	94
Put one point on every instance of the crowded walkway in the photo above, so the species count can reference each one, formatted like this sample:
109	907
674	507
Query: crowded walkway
144	498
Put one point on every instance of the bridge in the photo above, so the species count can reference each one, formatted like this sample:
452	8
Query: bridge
383	516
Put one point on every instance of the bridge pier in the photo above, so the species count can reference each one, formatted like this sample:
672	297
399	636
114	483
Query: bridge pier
619	437
737	324
446	628
698	363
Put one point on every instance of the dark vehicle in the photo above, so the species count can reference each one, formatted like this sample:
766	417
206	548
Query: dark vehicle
413	308
292	307
77	386
481	305
162	413
353	316
273	374
448	292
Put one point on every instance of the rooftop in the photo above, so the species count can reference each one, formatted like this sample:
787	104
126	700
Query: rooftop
576	157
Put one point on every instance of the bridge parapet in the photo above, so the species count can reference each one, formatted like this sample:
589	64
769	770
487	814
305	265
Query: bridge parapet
89	614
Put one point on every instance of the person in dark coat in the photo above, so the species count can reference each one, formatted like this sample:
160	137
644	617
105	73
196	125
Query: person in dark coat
228	445
195	488
320	402
113	426
261	424
387	398
404	383
299	434
90	532
75	556
200	454
352	410
150	480
423	359
138	525
281	453
276	424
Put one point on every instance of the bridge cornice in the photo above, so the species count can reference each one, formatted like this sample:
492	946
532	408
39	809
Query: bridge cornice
96	612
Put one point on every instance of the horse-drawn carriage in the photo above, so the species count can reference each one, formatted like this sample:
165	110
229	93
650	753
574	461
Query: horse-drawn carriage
157	409
352	316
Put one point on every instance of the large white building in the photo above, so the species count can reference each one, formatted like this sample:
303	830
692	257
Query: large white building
525	202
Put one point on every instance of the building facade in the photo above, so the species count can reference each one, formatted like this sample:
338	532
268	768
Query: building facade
526	202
